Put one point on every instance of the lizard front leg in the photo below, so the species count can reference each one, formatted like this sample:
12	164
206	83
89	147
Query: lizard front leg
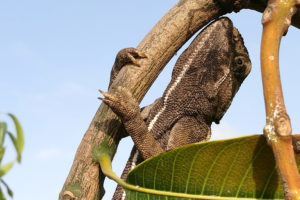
126	107
124	57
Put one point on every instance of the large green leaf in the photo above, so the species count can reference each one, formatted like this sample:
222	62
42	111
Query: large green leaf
18	141
238	168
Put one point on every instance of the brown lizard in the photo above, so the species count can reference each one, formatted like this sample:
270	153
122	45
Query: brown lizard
204	81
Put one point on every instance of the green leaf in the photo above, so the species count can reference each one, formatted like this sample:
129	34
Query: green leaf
2	150
9	191
19	140
14	141
226	169
5	168
2	195
3	128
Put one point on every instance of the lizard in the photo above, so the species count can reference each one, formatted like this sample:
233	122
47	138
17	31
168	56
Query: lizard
205	78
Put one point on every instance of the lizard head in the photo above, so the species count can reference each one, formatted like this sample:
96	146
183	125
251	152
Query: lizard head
209	72
234	74
218	64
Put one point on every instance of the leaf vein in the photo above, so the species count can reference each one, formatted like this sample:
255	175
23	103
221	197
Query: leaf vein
173	169
210	168
249	167
229	170
191	167
155	172
268	182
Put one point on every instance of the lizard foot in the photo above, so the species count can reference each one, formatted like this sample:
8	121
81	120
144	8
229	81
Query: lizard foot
121	102
128	56
124	57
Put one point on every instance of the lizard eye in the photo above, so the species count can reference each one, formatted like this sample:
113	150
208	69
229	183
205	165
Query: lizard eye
239	61
239	67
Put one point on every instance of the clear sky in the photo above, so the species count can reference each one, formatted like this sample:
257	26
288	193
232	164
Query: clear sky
55	55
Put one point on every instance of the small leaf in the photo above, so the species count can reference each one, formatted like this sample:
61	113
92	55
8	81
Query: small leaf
5	168
9	191
2	150
19	143
3	128
236	168
14	141
2	195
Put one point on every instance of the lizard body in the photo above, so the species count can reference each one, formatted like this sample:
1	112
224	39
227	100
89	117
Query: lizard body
204	81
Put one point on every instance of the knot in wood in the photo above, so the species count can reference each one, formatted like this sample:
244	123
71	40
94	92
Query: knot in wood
282	124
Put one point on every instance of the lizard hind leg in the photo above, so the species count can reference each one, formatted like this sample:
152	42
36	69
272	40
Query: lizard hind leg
124	57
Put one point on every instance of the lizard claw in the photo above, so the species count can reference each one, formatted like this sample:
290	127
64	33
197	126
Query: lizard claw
109	98
129	56
124	57
105	94
133	60
133	54
121	102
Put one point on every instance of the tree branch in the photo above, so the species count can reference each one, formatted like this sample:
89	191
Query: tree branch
276	20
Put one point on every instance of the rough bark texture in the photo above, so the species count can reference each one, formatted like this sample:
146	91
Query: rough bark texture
85	180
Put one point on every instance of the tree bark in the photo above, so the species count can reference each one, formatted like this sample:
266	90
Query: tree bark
85	180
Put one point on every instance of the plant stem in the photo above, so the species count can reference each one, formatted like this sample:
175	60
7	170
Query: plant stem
276	19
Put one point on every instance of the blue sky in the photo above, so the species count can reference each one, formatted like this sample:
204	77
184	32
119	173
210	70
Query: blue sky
55	55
